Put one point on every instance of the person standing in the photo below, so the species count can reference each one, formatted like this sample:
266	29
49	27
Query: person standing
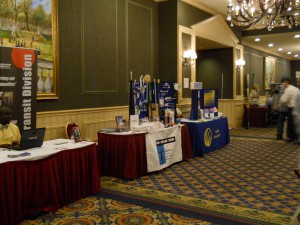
254	95
289	98
282	111
296	116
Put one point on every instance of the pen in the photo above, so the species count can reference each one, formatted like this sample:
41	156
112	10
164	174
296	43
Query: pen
61	143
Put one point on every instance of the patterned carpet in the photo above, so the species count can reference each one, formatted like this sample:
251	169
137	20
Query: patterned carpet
255	132
97	210
251	180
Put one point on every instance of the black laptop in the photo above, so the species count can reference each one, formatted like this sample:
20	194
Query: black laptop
31	139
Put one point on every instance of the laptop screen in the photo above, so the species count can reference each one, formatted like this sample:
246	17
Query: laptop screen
32	138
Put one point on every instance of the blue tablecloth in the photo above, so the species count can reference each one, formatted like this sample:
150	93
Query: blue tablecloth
208	136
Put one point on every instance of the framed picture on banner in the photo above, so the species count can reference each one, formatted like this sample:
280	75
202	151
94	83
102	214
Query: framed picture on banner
269	72
119	121
35	27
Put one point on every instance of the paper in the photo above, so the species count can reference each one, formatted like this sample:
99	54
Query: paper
186	83
134	121
297	74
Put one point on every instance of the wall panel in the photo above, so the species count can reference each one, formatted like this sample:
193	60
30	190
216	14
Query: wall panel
100	62
256	71
93	60
139	44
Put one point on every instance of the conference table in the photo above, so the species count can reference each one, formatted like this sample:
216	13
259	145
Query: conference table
207	135
52	176
124	156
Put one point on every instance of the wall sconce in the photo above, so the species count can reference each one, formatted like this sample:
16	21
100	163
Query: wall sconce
189	57
240	63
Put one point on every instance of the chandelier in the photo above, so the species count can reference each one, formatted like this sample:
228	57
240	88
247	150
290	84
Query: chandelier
263	13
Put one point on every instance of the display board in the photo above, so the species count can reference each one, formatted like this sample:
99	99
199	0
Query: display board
167	98
140	99
208	98
195	106
204	100
148	97
18	82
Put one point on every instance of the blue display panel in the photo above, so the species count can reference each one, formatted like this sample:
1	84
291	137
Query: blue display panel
140	99
209	98
166	98
147	97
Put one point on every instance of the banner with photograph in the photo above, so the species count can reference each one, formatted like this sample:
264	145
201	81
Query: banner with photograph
18	84
163	148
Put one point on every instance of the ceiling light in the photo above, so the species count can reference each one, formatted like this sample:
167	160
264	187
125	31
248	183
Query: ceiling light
257	39
296	55
289	53
271	45
247	13
297	36
280	49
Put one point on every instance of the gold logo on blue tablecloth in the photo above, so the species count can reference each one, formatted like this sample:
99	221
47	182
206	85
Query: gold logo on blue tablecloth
208	136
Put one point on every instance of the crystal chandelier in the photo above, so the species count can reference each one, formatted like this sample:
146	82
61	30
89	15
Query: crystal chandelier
263	13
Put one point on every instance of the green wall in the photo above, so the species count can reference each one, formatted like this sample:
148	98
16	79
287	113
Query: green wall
189	15
211	64
171	14
295	66
255	67
167	27
100	41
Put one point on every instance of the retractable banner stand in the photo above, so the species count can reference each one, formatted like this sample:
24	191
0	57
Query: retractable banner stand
18	84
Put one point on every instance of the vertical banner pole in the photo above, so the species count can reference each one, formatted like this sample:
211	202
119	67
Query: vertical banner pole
222	86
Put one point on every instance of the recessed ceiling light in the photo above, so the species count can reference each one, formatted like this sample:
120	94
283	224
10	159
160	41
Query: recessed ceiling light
289	53
296	55
257	39
271	45
297	36
280	49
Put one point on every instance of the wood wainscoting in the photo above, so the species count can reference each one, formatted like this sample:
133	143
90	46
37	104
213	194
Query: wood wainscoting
233	110
90	121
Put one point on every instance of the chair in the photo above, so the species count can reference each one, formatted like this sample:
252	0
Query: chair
272	110
246	116
69	128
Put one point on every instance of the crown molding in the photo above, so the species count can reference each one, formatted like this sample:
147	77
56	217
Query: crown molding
201	6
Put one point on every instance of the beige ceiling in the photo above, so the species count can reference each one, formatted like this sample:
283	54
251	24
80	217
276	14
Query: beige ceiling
286	41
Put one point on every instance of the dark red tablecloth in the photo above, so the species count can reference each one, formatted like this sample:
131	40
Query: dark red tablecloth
257	116
186	143
124	156
47	184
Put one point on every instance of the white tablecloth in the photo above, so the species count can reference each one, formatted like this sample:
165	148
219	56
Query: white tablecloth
48	148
